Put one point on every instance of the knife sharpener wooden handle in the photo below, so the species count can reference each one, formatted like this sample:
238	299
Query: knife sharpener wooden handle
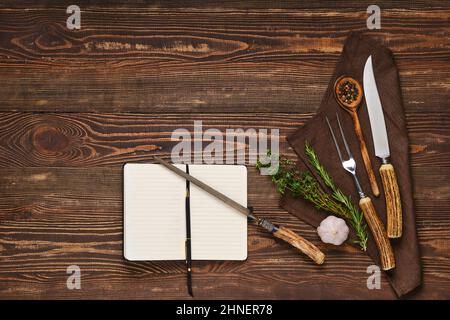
393	202
300	243
379	233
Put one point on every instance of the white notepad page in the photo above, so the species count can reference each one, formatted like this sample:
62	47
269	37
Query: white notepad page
154	213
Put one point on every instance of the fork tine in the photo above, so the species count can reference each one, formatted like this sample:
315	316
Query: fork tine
343	137
334	139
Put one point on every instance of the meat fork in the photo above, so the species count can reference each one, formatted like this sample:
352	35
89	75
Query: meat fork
365	203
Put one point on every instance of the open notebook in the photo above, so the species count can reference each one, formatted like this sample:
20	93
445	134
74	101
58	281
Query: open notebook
154	213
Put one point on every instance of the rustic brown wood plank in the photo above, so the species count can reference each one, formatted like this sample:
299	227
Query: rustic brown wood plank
231	4
252	64
176	60
285	285
51	218
90	139
218	285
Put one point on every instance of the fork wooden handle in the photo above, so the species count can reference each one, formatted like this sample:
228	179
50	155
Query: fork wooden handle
379	233
393	203
300	243
365	155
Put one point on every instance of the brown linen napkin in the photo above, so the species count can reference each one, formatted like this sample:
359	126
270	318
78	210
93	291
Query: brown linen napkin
407	274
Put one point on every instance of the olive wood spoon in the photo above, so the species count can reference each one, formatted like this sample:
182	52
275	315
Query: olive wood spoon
351	106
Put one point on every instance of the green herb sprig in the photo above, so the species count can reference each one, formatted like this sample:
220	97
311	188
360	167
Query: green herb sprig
350	212
303	184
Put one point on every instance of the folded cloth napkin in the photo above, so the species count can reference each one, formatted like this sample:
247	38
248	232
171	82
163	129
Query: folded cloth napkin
407	274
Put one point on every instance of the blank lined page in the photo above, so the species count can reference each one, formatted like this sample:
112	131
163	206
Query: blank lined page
219	232
154	213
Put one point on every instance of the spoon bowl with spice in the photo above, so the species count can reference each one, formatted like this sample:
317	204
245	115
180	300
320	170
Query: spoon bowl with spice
348	93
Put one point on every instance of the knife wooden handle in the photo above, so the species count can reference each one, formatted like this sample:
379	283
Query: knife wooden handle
393	203
300	243
379	233
365	155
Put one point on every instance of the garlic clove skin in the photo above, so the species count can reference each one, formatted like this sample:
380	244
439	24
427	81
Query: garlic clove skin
333	230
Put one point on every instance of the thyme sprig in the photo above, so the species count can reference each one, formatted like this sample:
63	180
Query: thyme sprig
305	185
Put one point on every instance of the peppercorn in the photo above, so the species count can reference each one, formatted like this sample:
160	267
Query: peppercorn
348	92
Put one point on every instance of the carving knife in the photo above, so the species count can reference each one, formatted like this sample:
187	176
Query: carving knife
381	144
280	232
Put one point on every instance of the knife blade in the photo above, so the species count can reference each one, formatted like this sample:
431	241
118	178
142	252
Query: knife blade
381	145
376	116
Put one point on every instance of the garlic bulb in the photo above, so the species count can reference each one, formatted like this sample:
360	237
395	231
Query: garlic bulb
333	230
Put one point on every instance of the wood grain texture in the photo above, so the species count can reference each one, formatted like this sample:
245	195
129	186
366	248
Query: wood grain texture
228	5
91	139
76	105
205	60
54	217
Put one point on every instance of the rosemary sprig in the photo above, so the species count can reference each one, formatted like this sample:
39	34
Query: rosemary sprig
352	213
303	184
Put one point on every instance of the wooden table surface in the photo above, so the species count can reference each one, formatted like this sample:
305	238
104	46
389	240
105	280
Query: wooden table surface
76	105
